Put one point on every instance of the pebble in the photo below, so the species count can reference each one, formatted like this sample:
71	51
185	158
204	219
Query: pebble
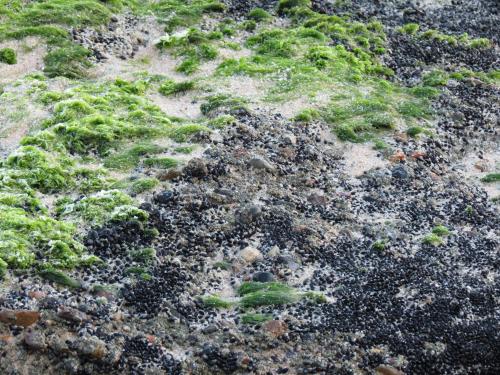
250	254
35	340
260	163
263	277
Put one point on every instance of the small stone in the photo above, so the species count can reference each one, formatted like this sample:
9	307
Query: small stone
317	199
90	347
250	254
289	139
397	157
164	197
248	214
35	340
23	318
400	172
274	252
170	174
259	163
196	168
70	314
263	277
387	370
275	328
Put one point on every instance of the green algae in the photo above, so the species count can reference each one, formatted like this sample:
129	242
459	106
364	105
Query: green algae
144	184
131	157
255	318
165	162
98	208
216	302
491	177
8	56
59	277
259	15
171	87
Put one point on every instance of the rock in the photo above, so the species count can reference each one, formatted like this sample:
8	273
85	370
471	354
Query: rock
260	163
387	370
164	197
275	328
397	157
289	139
196	168
169	174
400	172
250	254
263	277
274	252
35	340
317	199
72	315
22	318
90	347
248	214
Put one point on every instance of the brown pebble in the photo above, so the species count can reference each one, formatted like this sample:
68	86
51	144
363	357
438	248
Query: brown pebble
275	328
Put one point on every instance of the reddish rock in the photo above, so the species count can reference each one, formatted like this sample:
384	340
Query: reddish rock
418	155
275	328
37	294
70	314
23	318
397	157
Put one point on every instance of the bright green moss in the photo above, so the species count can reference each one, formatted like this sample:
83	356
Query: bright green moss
268	297
39	169
163	162
3	269
307	115
379	245
144	184
145	255
59	277
284	5
252	318
184	149
254	286
179	13
184	132
23	234
441	230
131	158
433	239
99	208
8	56
222	102
415	131
409	28
258	15
170	87
222	121
492	177
435	78
216	302
315	297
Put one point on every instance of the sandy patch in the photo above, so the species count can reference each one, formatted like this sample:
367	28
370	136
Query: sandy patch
476	168
30	52
360	158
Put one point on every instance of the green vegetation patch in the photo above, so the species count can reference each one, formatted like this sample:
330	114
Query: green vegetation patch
181	13
492	177
255	318
171	87
462	40
8	56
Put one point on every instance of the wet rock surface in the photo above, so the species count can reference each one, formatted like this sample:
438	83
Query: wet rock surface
270	201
